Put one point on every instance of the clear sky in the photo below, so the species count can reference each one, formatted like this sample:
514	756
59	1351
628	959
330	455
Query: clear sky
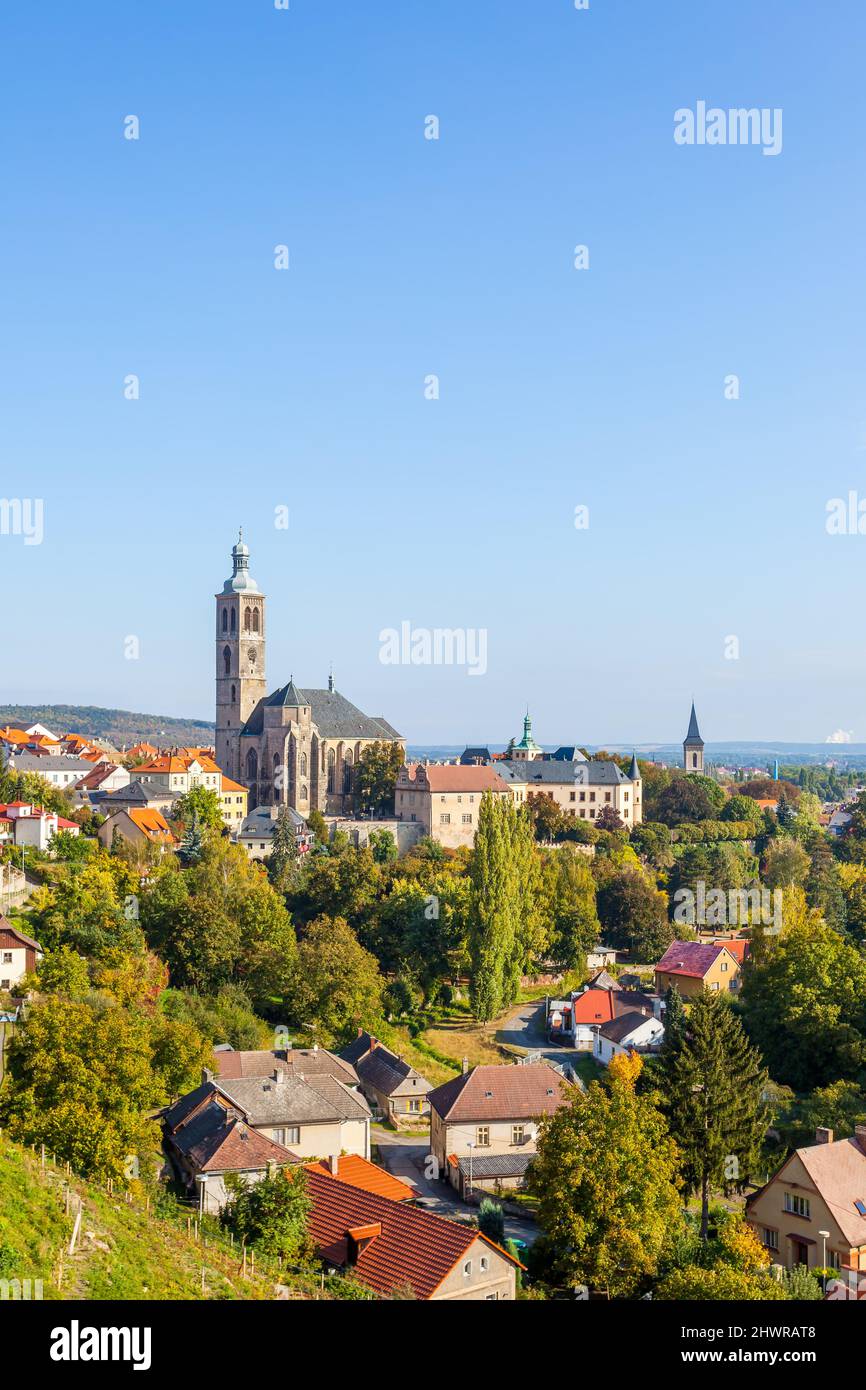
559	388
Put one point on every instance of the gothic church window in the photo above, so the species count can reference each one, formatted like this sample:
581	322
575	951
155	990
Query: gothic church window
303	764
234	624
248	619
234	695
332	771
225	620
252	765
227	659
255	620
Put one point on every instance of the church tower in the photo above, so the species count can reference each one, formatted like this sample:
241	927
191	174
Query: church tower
693	746
240	657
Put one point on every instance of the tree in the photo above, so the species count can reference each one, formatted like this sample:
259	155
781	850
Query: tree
271	1214
696	1284
714	1100
378	767
607	819
786	863
284	846
606	1178
494	908
383	846
675	1030
652	841
687	799
336	985
318	825
199	804
548	822
491	1220
804	1000
740	807
571	909
634	915
191	846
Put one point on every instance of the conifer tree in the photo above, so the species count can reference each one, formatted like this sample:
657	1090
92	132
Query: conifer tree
714	1100
192	844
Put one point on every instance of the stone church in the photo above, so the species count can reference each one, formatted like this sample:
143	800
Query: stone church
295	747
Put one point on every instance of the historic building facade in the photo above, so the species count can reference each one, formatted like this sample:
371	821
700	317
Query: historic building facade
297	747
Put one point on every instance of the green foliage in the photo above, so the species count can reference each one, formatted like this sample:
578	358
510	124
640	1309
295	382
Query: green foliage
271	1214
376	776
695	1284
491	1220
336	985
383	846
804	1001
634	915
199	806
713	1097
224	1017
606	1180
502	907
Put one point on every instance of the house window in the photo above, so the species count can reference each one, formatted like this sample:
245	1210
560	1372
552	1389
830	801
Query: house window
491	1298
834	1259
415	1107
290	1135
723	966
482	1137
5	984
485	1264
714	985
445	818
467	819
467	1269
798	1206
771	1238
7	957
518	1134
572	796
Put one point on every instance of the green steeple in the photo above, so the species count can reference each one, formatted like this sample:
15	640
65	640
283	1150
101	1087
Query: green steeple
528	742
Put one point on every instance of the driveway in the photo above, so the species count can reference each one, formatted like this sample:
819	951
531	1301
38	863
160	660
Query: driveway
524	1027
404	1156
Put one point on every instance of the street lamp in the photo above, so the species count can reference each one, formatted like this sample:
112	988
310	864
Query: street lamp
470	1146
825	1236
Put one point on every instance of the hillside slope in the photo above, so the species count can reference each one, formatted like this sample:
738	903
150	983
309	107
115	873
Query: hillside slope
116	726
123	1252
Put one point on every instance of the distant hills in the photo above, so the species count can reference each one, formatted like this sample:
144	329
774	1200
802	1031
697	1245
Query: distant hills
114	726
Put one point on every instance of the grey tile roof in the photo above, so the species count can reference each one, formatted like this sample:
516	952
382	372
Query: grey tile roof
579	774
294	1100
333	715
496	1166
383	1071
32	762
620	1028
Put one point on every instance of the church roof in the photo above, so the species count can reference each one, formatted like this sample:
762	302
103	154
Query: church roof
333	715
694	733
634	770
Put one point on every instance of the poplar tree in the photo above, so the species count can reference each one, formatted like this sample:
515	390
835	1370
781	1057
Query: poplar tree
494	909
714	1100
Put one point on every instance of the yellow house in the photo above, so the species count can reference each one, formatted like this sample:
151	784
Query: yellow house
813	1210
233	803
694	967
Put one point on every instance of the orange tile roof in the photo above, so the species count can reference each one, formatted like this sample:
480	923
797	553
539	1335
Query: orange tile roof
358	1172
446	777
593	1006
152	824
174	762
230	786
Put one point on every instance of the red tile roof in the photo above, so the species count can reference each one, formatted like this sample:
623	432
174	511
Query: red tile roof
593	1006
501	1093
690	958
414	1247
446	777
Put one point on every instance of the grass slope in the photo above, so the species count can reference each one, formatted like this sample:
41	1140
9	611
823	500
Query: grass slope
123	1252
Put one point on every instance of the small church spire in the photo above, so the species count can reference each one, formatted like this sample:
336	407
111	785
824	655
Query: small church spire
331	680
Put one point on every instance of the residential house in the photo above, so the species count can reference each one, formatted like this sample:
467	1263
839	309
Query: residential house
22	823
359	1172
312	1115
491	1113
19	954
232	1064
445	798
135	797
392	1246
818	1189
583	1013
138	827
390	1084
58	771
632	1031
174	776
233	803
258	827
104	777
694	966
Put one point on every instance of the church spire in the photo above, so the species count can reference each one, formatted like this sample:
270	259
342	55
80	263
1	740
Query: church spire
331	680
241	580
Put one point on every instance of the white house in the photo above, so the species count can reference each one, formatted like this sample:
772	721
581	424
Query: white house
31	826
631	1032
19	954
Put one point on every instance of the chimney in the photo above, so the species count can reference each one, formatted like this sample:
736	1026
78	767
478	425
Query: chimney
823	1135
860	1137
465	1065
207	1075
374	1043
279	1076
334	1164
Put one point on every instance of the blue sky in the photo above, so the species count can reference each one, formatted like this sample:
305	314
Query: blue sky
305	388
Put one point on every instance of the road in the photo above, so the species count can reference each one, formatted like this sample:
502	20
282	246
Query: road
524	1027
405	1155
